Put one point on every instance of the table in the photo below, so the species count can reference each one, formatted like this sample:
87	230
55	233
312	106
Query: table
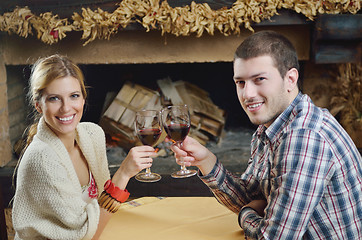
176	218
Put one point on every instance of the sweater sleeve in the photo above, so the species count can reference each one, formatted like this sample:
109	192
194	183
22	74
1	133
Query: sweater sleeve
47	203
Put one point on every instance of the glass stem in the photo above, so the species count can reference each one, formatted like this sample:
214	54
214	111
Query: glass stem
183	168
148	171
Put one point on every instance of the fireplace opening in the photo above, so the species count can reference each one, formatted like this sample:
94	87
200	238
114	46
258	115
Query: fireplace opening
215	78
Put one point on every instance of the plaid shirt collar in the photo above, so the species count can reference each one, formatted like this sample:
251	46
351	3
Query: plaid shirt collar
279	123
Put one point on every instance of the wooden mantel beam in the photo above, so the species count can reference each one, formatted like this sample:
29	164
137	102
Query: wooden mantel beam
128	47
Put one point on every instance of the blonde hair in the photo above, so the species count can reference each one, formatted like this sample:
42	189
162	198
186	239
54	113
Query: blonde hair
43	72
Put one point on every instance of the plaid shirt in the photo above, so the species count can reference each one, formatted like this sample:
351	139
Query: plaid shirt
309	171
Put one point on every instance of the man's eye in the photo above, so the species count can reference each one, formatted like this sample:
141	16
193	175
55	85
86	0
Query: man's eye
239	82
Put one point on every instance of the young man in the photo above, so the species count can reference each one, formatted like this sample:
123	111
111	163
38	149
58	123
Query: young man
304	178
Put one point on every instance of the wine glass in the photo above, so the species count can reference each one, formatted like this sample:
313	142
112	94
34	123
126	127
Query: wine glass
148	129
176	122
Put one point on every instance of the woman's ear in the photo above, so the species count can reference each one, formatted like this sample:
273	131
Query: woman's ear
292	79
37	107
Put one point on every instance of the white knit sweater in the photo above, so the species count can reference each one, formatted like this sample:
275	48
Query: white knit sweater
48	199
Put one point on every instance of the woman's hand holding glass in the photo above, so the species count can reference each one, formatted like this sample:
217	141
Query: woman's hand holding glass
137	159
148	129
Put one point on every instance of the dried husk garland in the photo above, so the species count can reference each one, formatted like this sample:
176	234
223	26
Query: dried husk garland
153	14
346	103
22	21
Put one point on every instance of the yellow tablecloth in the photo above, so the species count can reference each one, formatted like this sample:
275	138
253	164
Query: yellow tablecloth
184	218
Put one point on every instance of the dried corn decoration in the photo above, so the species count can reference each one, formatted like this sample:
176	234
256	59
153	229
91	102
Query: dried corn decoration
96	24
17	22
346	102
50	28
196	18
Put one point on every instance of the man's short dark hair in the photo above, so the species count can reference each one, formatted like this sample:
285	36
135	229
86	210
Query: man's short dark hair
269	43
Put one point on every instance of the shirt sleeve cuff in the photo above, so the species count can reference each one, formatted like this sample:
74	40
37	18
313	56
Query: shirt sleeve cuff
244	213
211	174
214	178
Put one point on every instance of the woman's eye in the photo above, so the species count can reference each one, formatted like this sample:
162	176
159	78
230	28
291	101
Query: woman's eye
52	99
76	95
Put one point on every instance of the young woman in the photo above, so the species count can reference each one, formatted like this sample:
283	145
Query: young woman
63	187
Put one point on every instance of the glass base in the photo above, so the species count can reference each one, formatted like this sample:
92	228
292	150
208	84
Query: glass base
148	177
184	173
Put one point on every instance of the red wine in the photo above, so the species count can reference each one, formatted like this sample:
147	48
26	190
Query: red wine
177	132
149	136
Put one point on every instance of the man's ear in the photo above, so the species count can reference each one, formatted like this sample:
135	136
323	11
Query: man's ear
37	107
292	79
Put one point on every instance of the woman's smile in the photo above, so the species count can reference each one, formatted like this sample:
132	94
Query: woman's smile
66	119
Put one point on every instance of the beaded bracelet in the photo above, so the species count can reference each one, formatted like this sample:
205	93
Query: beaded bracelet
109	203
112	197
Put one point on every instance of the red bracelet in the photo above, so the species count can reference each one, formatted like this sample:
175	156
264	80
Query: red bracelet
116	192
